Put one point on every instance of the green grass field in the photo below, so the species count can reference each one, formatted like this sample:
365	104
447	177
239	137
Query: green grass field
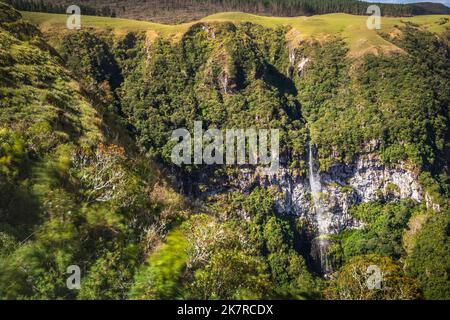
352	28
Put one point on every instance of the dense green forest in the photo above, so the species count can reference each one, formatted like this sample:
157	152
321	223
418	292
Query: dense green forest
187	10
86	177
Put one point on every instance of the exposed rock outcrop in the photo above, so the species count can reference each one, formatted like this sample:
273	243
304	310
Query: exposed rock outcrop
367	179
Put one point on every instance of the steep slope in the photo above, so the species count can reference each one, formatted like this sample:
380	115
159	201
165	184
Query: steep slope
70	193
379	125
76	194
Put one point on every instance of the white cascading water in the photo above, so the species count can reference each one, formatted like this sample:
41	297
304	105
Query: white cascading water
321	216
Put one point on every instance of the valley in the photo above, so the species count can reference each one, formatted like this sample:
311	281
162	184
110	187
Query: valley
87	176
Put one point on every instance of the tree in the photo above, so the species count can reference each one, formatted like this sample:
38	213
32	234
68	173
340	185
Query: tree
231	274
372	277
429	260
161	277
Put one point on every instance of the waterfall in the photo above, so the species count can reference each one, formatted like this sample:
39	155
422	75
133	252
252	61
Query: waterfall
316	189
321	215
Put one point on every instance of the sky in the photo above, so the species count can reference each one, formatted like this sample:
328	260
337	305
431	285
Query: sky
446	2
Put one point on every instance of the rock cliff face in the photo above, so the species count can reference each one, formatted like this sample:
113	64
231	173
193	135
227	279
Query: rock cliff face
342	186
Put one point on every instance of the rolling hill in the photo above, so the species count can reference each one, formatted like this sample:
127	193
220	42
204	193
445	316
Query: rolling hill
351	27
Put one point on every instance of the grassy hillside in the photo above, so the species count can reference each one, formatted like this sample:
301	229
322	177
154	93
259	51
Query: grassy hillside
352	28
71	184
